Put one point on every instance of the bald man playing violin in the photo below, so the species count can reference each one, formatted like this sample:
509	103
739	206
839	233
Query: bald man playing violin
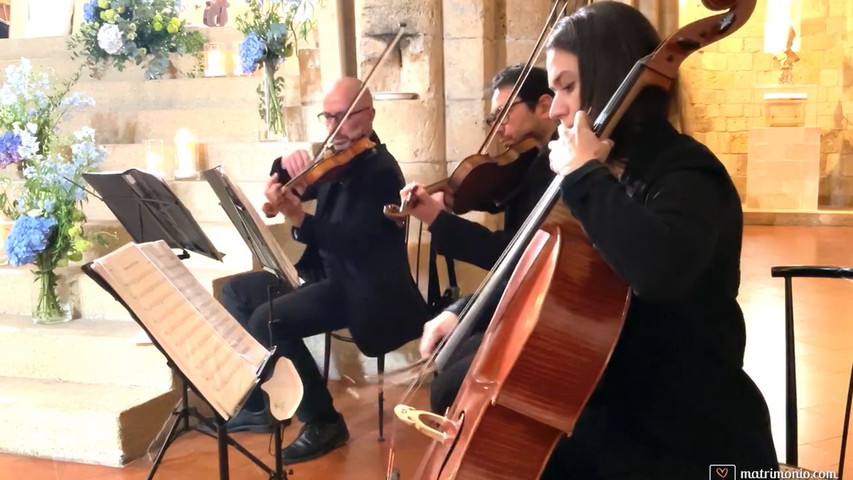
473	243
355	266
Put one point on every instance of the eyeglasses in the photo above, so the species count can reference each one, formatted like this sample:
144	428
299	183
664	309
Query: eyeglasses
492	118
326	117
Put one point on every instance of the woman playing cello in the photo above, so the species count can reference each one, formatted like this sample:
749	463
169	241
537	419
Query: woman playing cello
663	212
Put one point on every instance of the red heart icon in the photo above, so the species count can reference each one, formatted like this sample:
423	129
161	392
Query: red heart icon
722	472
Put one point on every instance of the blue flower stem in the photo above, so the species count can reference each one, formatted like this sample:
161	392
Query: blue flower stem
48	307
273	116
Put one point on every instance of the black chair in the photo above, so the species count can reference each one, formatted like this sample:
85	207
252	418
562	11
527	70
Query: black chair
380	369
789	273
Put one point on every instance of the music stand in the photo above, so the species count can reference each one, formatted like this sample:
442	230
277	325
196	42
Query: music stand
149	211
252	229
261	243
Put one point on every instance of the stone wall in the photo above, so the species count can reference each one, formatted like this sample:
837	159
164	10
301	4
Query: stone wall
722	90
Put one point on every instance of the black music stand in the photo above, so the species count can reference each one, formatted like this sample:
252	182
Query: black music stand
149	211
256	235
260	242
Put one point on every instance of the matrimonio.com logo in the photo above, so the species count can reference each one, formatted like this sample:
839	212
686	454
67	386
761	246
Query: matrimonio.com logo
730	472
722	472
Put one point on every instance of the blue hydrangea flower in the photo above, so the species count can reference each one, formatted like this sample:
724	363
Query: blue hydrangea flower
9	144
251	50
28	238
89	11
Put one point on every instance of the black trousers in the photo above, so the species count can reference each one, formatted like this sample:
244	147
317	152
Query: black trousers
309	310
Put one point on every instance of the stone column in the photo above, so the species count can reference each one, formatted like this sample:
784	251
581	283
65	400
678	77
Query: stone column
413	129
523	24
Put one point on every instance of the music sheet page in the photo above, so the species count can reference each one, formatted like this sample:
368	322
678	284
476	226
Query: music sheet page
208	345
281	259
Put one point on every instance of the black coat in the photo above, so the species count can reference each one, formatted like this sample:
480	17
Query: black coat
675	389
350	241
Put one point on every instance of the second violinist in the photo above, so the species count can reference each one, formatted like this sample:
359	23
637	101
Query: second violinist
470	242
356	267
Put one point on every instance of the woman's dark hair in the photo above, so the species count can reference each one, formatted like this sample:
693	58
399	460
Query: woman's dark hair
608	38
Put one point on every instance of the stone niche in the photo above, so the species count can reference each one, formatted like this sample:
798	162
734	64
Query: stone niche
783	169
783	154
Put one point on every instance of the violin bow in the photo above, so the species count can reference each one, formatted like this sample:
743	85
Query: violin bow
319	155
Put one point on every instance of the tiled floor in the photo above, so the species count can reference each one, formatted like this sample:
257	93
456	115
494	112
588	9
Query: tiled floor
824	330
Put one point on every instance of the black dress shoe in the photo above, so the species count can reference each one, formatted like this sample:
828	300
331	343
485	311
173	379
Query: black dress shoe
255	422
316	440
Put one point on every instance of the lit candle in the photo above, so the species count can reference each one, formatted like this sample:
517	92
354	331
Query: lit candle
215	61
186	153
235	60
154	156
154	163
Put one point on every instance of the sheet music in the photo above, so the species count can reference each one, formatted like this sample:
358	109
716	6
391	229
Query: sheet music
279	260
218	356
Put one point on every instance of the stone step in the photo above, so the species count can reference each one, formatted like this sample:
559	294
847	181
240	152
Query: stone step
208	125
94	301
180	94
111	425
56	47
244	161
83	350
180	67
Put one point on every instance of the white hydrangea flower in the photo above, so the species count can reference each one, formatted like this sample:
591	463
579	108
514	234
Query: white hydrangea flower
109	38
29	143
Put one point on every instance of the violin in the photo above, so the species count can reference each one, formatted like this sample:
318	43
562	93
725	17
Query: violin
563	306
330	167
479	183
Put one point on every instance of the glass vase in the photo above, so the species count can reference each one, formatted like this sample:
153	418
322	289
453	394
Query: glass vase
53	295
272	128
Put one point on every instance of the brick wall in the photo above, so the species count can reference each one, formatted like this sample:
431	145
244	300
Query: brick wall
722	90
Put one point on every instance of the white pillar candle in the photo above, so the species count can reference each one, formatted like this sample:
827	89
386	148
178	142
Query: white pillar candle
215	61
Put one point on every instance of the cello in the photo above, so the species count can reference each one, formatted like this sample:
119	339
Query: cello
563	305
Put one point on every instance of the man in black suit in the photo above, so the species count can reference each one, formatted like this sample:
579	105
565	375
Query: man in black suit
356	267
470	242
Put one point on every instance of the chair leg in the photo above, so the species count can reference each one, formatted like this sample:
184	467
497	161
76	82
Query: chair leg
845	429
380	368
327	356
791	420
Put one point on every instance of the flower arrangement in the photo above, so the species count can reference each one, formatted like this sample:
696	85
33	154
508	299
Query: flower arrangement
145	31
272	30
47	205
